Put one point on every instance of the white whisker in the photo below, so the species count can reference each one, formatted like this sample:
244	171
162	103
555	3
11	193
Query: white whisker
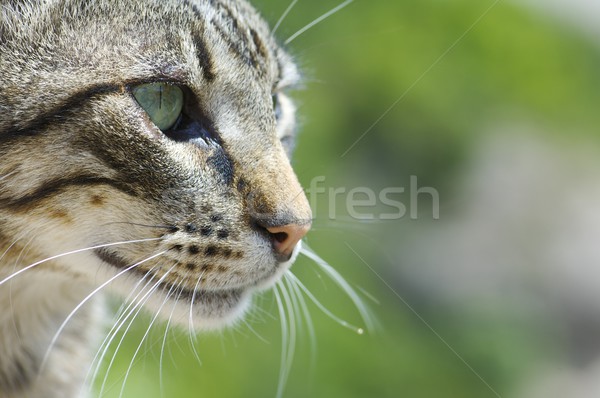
133	313
85	300
117	324
164	340
292	319
284	341
293	282
254	332
191	320
345	286
324	309
145	336
181	350
285	13
25	247
369	295
261	313
316	21
10	292
15	274
294	300
5	176
24	250
15	242
137	308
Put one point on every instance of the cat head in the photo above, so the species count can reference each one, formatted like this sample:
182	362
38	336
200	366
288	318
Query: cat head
150	140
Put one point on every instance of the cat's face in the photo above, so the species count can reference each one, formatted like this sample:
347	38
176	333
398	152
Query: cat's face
212	198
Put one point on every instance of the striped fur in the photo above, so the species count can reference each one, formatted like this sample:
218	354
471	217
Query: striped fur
83	169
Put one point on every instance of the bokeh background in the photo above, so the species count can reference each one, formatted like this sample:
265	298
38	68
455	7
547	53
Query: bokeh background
495	105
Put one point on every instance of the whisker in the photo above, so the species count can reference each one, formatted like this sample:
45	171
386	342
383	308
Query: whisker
293	282
130	318
285	13
24	250
369	295
8	175
181	350
191	320
316	21
253	316
10	292
15	274
117	324
145	336
137	308
254	332
85	300
326	311
292	319
284	340
354	38
23	234
262	312
294	300
345	222
164	340
169	227
345	286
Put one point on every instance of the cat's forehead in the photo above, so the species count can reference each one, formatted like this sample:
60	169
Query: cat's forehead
141	38
237	31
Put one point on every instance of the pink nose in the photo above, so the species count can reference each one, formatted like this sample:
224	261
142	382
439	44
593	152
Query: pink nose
286	237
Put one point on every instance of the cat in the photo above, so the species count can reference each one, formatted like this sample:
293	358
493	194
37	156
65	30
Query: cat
144	150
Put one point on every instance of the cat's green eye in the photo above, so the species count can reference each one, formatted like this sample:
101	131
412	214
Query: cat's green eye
163	102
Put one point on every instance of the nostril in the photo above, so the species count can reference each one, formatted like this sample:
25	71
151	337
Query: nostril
285	238
279	236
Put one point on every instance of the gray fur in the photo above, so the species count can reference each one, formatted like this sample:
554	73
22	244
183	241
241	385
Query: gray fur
82	165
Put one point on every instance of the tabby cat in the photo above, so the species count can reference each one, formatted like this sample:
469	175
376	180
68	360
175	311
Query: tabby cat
143	148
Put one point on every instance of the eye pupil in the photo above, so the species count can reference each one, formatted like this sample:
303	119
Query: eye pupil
163	102
160	98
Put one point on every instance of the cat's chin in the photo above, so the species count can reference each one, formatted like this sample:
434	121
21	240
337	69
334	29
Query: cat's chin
216	310
201	310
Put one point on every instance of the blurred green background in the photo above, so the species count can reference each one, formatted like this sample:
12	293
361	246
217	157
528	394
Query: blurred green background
459	71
